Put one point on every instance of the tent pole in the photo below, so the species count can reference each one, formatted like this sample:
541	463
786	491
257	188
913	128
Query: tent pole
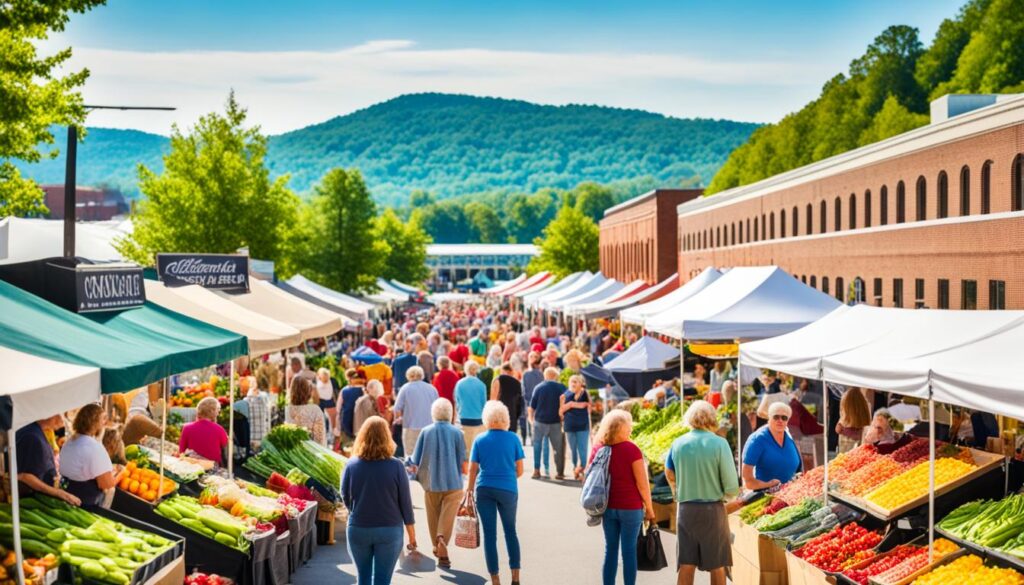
163	431
824	408
931	472
231	421
12	452
739	413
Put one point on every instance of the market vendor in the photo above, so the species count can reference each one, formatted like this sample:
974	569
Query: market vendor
37	468
205	436
882	433
770	456
85	464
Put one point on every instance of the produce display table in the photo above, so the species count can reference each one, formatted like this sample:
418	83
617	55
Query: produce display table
202	553
303	539
755	558
152	572
803	573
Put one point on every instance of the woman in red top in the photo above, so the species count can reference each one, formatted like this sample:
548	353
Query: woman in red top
629	496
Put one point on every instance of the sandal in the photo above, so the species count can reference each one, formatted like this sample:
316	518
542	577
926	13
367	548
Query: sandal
444	562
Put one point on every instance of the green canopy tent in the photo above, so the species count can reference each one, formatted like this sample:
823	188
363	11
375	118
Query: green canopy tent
131	348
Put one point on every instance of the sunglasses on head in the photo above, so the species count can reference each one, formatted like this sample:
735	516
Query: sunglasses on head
781	417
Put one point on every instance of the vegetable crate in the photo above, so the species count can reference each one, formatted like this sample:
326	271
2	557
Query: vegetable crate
756	558
926	569
154	569
985	462
803	573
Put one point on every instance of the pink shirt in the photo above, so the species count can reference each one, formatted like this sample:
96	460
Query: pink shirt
205	437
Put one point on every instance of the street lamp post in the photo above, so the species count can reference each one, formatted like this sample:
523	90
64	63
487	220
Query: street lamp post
70	172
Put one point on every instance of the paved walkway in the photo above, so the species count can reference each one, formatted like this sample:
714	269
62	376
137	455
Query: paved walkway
557	546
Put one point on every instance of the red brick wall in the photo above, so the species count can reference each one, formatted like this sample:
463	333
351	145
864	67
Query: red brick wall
978	247
639	241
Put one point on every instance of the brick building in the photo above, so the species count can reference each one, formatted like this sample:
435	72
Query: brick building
929	218
91	204
638	237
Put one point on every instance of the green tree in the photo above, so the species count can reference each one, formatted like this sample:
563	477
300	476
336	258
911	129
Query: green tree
570	244
592	199
32	97
938	63
526	215
215	194
485	222
993	60
407	248
421	198
347	255
446	223
893	119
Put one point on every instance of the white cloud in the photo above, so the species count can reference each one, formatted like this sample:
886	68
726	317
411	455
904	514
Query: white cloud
288	90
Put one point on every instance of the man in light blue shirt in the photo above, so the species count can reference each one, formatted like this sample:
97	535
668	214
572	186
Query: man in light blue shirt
470	397
413	407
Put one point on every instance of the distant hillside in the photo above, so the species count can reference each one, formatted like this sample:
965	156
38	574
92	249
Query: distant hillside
455	144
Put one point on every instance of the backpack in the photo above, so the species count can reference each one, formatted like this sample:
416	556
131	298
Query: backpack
596	486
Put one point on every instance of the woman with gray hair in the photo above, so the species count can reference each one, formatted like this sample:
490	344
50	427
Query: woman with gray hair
437	462
368	405
496	462
700	465
770	456
413	407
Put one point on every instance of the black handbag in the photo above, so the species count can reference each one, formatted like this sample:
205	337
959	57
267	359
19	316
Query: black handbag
650	555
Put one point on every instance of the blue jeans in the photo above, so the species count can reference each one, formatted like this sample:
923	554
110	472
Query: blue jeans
490	503
578	446
621	526
545	435
375	551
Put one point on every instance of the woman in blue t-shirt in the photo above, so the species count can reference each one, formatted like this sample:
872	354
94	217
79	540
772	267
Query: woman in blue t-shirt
770	456
496	461
575	410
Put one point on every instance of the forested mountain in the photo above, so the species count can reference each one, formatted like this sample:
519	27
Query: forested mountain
453	145
887	90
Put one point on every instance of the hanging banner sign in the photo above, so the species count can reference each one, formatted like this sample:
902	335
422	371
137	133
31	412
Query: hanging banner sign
226	272
101	287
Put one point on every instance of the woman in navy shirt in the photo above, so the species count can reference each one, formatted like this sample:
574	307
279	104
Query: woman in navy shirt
575	411
770	456
375	489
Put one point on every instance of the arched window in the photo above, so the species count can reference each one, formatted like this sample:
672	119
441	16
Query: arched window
986	187
764	227
756	238
771	229
901	202
867	208
748	230
803	278
942	197
965	191
733	238
853	211
838	211
823	227
858	291
840	289
782	223
922	199
810	219
1017	184
796	223
824	284
814	281
883	206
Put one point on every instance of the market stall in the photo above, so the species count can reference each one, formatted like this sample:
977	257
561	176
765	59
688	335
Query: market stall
904	351
311	320
332	300
636	296
640	313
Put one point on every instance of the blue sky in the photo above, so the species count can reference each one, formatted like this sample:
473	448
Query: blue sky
296	63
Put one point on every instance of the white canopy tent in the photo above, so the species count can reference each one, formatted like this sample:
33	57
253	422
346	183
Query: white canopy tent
610	309
266	299
387	294
627	290
500	287
529	296
24	240
536	282
583	285
606	290
640	313
325	297
745	303
266	335
41	387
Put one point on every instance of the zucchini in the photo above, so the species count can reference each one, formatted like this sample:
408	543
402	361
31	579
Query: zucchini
226	539
93	570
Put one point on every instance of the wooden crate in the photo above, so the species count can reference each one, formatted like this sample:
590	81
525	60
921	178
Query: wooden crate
803	573
756	555
328	517
984	461
172	574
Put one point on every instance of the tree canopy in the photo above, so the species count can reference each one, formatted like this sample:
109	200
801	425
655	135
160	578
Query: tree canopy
406	259
569	244
214	195
887	89
33	97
